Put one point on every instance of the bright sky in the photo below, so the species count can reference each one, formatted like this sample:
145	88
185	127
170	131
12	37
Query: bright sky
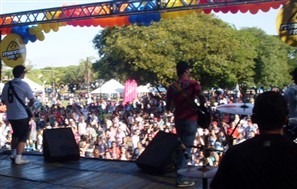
71	44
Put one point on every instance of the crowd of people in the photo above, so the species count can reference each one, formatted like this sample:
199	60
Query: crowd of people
247	146
107	129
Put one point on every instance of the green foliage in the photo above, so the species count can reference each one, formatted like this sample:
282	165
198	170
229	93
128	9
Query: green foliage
80	76
220	55
271	62
149	54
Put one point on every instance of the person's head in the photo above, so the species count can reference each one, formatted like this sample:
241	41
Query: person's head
270	111
19	71
182	67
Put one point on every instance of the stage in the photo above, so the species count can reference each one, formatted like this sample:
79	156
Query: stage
85	173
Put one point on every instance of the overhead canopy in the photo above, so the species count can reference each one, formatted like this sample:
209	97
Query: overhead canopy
110	87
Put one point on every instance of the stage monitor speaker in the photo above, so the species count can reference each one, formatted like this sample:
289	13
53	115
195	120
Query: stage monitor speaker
60	145
160	155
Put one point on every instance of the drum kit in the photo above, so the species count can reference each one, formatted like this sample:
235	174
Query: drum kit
237	108
206	172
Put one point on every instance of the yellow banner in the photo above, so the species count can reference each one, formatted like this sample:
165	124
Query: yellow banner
13	50
286	23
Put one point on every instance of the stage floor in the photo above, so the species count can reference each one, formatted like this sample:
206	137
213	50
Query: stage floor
85	173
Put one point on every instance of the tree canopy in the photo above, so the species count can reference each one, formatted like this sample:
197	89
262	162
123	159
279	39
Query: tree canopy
220	55
272	58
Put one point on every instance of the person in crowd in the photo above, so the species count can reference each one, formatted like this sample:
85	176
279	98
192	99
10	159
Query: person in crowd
3	135
96	154
115	150
268	160
185	116
16	112
39	141
83	145
291	96
137	151
101	145
33	133
81	126
124	156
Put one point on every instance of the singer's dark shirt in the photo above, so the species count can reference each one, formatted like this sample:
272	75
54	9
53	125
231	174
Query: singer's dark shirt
264	162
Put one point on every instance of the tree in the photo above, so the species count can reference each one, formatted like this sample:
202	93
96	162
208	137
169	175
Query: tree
149	54
72	76
271	63
86	69
6	73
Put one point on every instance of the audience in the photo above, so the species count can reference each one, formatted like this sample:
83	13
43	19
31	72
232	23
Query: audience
106	129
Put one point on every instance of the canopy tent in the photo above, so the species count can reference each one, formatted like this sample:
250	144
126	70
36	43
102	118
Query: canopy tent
110	87
158	89
143	89
34	86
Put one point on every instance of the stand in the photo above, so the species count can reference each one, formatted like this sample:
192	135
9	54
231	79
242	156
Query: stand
203	172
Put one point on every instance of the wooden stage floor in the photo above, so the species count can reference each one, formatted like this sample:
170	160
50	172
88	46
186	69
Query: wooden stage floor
85	173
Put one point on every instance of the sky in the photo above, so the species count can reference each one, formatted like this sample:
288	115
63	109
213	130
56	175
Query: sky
70	45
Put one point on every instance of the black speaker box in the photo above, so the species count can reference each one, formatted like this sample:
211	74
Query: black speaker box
60	145
160	155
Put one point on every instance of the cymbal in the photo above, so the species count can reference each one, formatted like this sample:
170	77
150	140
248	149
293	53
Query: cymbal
199	171
237	108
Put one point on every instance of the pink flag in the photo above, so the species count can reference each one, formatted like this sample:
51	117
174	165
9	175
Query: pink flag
130	91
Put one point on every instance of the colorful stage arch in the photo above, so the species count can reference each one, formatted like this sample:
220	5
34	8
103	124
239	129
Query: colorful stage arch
33	25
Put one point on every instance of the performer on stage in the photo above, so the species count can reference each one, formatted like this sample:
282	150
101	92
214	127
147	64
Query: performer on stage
185	117
266	161
16	113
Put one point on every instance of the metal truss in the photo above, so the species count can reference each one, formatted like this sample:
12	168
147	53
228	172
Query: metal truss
115	8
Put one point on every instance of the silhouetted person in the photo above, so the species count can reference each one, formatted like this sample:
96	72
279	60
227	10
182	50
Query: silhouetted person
267	161
291	96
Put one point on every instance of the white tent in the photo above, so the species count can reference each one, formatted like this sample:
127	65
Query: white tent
143	89
34	86
161	89
110	87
